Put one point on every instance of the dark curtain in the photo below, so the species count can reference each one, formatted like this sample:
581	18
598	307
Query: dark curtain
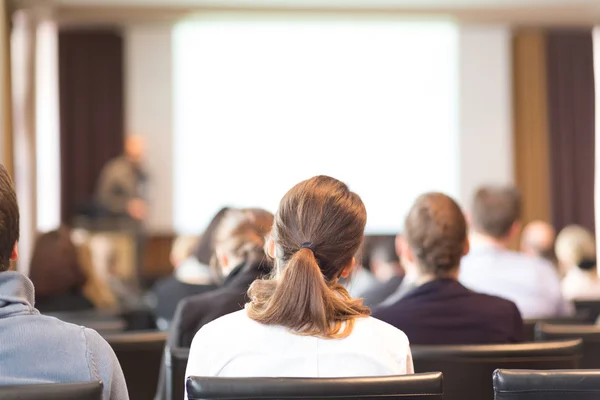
571	108
91	111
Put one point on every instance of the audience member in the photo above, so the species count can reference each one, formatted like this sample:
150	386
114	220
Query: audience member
302	323
57	274
439	310
576	252
37	348
385	264
239	260
360	281
537	239
491	268
190	277
206	246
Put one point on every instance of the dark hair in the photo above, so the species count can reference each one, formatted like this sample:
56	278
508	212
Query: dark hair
436	231
55	267
9	219
242	232
318	228
495	210
206	247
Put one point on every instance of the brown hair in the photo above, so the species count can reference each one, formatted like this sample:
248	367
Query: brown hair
9	219
318	228
205	247
436	231
242	233
495	210
55	267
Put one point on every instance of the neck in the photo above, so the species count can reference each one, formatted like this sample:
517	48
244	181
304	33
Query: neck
420	278
480	239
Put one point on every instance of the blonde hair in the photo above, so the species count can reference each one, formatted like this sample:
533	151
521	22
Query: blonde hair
182	248
318	229
575	244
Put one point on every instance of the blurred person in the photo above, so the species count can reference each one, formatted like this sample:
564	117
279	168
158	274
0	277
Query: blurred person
189	278
386	267
238	260
206	246
360	281
438	309
576	252
531	283
37	348
302	322
537	239
57	274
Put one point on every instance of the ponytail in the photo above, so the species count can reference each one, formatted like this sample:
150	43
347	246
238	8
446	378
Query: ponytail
302	300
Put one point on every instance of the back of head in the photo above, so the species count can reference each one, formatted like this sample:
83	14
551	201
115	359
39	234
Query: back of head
436	231
538	239
55	267
575	246
9	219
182	248
318	228
205	246
495	210
241	234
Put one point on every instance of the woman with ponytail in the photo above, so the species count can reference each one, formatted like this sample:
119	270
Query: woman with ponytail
301	322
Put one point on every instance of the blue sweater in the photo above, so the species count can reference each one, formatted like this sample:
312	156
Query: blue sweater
40	349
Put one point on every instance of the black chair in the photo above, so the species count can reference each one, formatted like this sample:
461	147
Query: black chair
591	308
140	356
176	359
419	386
546	385
53	391
529	324
590	334
468	369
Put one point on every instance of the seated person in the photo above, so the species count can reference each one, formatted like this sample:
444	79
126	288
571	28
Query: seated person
38	348
537	240
576	252
239	259
386	267
189	278
302	322
57	274
438	309
530	282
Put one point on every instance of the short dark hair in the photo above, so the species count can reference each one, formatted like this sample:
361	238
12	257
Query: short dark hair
495	209
436	231
9	219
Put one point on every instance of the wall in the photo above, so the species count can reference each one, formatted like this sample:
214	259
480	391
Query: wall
486	148
148	111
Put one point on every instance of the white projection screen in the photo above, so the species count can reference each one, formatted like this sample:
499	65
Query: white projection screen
263	102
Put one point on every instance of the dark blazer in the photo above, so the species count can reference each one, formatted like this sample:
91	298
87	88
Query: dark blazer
169	291
445	312
377	294
196	311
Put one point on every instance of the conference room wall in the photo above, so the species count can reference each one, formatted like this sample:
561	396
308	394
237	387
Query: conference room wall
485	104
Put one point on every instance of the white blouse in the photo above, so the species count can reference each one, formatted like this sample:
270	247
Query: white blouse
237	346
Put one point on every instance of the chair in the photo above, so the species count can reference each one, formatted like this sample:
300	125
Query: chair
407	387
103	323
176	359
590	334
468	369
590	307
140	356
53	391
546	385
529	324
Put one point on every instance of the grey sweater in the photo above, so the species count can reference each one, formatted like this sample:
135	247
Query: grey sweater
41	349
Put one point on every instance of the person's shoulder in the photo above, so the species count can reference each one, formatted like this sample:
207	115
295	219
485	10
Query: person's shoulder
487	302
234	324
372	326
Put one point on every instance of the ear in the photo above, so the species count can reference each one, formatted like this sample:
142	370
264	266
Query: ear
398	244
15	253
467	247
468	218
406	252
271	248
348	268
515	229
222	259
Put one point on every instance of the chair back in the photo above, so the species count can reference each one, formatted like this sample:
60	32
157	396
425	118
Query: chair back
546	385
530	324
468	369
590	334
140	355
53	391
406	387
176	364
103	323
590	307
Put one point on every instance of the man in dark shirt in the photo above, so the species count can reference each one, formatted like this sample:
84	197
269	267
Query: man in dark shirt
438	309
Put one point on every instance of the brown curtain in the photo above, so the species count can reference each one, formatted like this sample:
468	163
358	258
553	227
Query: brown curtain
571	104
531	135
91	111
